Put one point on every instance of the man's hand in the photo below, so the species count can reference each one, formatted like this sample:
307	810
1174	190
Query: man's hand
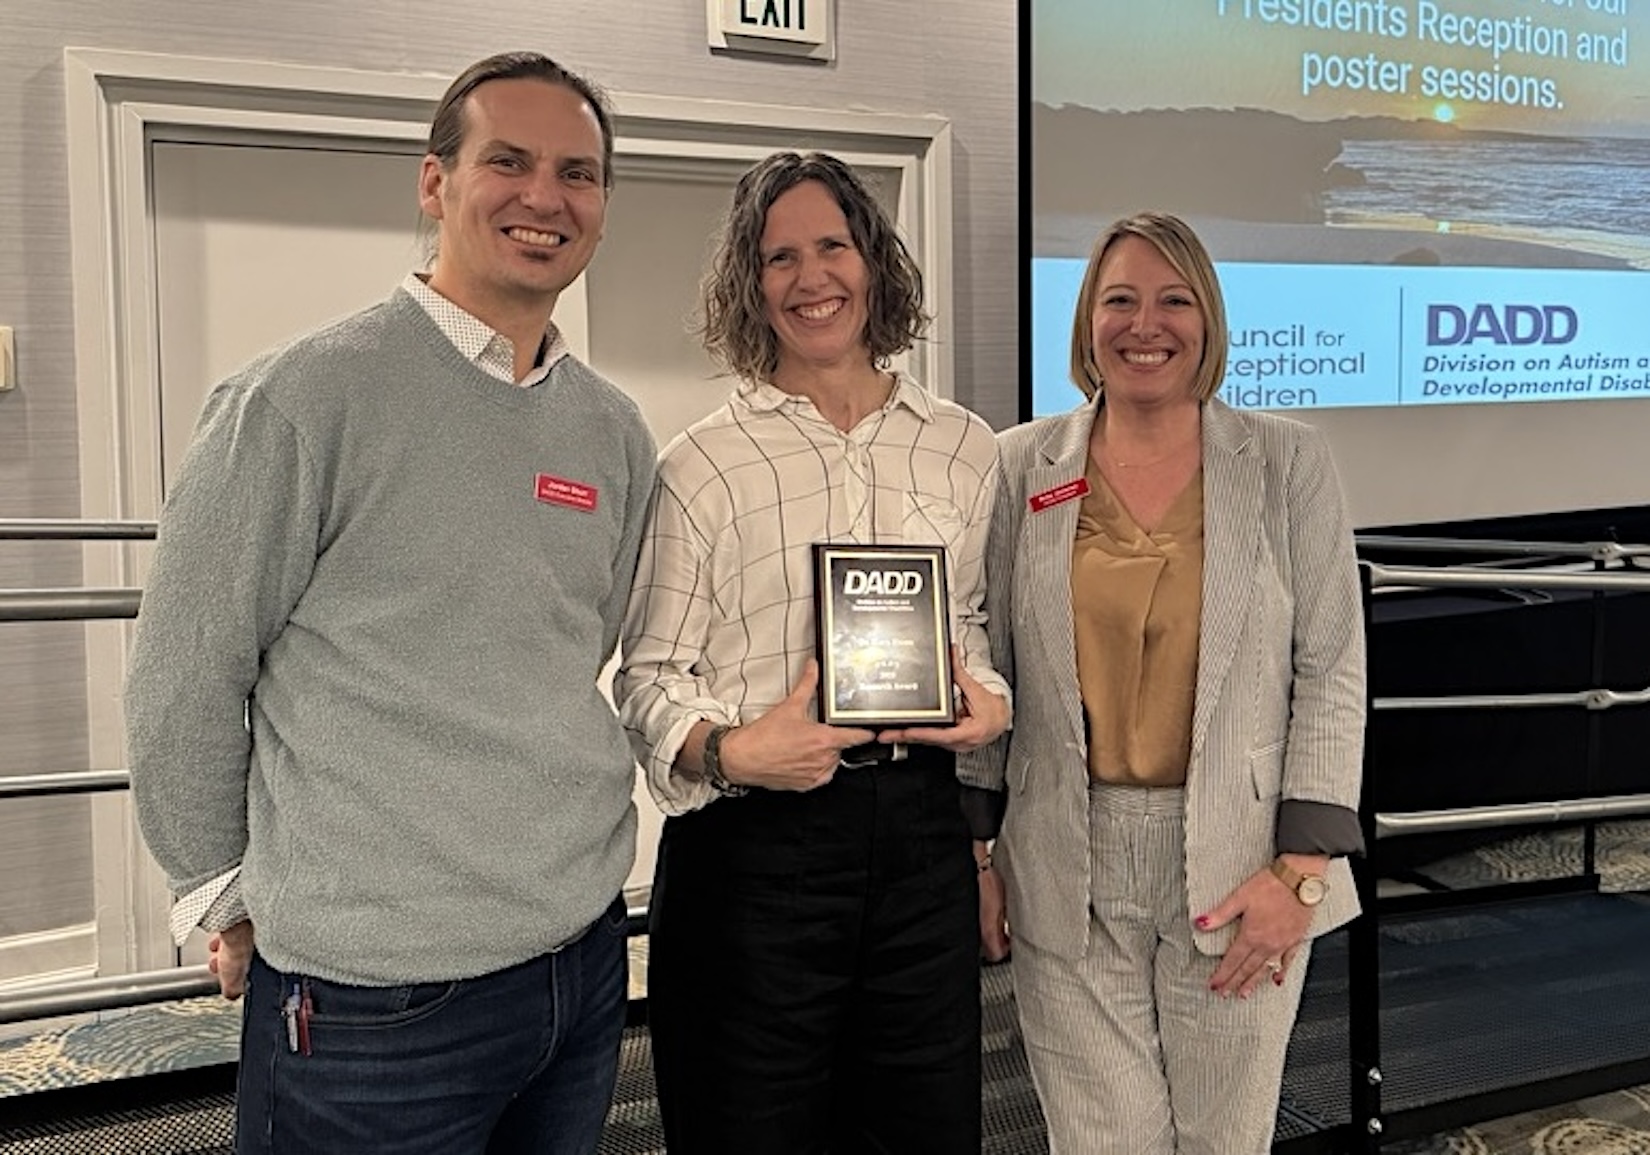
230	958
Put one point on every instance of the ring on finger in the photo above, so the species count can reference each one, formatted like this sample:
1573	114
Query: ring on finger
1275	965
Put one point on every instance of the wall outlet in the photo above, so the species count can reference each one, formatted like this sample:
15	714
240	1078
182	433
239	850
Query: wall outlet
8	359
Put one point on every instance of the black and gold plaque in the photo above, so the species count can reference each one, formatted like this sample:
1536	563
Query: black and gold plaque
883	629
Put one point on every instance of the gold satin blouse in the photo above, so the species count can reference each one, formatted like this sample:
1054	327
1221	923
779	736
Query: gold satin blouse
1137	601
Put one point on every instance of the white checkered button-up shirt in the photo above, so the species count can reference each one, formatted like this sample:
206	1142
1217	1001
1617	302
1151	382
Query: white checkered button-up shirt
721	619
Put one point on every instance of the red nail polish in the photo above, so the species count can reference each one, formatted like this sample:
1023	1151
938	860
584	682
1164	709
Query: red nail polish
1201	922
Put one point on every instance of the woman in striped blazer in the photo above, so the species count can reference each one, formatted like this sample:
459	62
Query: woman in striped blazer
1173	596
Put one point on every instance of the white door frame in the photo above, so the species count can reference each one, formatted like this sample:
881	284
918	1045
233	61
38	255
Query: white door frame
119	103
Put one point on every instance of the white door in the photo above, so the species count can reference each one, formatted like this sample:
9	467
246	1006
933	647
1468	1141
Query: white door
254	245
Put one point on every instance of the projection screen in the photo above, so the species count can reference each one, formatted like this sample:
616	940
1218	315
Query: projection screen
1426	217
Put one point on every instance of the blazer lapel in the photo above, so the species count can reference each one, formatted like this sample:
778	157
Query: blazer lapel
1062	457
1234	490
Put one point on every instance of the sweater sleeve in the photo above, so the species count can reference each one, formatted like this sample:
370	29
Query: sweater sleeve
235	551
643	461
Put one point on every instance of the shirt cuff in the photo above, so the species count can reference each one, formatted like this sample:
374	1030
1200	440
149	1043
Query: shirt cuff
214	905
1318	828
984	810
673	793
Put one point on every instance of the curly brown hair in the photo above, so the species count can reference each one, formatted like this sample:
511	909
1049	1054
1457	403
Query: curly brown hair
733	322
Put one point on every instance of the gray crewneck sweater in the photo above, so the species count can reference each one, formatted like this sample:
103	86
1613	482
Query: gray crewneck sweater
373	556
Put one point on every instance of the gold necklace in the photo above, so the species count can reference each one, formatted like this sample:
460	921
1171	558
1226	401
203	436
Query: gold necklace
1154	461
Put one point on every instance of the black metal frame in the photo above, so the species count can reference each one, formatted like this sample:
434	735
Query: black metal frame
1371	1124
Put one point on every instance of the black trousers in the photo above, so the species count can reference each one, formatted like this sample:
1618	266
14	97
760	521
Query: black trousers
813	969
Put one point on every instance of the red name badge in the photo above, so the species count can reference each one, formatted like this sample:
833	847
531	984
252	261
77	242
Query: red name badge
560	491
1065	491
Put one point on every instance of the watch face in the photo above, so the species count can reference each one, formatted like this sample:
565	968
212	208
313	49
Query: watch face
1312	890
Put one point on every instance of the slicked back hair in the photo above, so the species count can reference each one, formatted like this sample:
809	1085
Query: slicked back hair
448	125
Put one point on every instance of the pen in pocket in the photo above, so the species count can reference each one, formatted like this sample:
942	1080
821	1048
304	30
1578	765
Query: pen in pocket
289	1014
305	1009
295	1010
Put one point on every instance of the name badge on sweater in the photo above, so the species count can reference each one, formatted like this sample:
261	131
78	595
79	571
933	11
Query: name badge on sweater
1065	491
561	491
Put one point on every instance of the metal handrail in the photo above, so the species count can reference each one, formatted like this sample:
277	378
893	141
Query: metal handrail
1423	577
1591	699
1479	817
69	782
81	996
1605	551
84	996
1388	825
59	529
1512	814
69	605
1481	578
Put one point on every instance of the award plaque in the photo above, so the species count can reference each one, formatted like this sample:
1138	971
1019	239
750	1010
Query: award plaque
883	634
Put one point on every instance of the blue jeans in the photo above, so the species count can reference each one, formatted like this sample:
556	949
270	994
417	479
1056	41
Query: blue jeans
522	1060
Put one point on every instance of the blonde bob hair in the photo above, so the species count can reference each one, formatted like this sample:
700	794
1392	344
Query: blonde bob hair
1178	244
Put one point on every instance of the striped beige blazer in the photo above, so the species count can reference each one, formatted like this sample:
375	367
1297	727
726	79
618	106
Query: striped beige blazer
1279	705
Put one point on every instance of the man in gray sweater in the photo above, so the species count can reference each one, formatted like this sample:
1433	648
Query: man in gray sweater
366	737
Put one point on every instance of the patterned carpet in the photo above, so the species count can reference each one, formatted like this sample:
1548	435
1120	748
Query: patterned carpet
1613	1124
148	1040
1622	857
122	1044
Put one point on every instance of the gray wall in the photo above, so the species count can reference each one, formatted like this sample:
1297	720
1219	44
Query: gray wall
956	58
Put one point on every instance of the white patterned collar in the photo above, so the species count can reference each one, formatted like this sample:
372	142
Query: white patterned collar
481	344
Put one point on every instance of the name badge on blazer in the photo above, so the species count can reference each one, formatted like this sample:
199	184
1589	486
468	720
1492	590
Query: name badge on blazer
1064	492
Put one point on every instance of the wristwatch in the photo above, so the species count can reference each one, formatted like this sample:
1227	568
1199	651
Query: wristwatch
713	763
1311	889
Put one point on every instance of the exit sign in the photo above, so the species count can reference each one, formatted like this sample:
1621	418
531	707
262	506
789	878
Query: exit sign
775	27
